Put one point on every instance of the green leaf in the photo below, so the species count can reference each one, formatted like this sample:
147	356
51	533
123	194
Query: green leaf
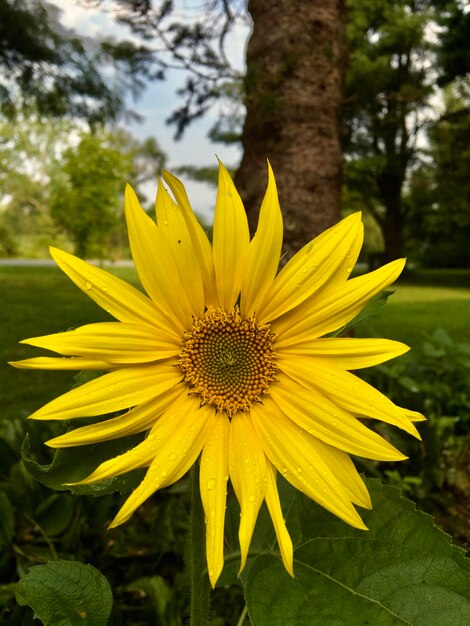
70	465
372	308
430	349
66	593
440	335
7	520
404	570
161	598
55	513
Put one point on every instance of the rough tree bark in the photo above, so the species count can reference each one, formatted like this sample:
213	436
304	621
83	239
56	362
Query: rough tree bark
293	87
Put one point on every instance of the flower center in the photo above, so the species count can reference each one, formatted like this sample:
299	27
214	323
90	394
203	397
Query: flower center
227	360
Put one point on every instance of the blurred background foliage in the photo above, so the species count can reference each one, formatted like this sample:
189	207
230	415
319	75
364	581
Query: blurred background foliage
405	128
63	185
64	157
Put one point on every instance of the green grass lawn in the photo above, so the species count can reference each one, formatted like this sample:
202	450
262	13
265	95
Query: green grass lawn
41	300
416	310
38	301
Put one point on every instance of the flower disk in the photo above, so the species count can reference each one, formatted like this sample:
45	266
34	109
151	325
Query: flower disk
228	361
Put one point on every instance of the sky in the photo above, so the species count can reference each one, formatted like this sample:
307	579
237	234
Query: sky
159	99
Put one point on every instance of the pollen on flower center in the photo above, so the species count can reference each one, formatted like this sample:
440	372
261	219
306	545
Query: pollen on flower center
229	361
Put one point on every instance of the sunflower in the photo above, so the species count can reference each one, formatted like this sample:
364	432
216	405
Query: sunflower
226	359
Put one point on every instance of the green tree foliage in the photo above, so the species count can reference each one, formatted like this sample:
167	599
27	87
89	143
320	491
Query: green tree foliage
439	193
37	156
399	52
388	85
86	199
44	66
454	51
30	151
185	36
87	194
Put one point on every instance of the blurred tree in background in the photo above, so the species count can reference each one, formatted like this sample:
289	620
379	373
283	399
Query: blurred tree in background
389	82
398	53
447	221
58	178
438	198
44	66
30	152
86	199
86	194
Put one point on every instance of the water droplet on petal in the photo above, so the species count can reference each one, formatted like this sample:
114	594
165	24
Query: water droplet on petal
88	285
210	484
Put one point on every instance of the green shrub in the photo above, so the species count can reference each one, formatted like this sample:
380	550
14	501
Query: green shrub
435	380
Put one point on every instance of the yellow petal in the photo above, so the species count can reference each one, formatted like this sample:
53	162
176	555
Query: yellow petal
345	352
264	251
144	453
231	241
155	265
346	473
247	465
136	420
331	309
326	421
115	296
174	233
346	390
414	416
54	363
199	238
274	507
135	458
180	440
114	342
122	389
297	456
345	267
309	269
213	485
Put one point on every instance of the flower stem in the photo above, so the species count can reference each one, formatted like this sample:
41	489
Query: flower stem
200	586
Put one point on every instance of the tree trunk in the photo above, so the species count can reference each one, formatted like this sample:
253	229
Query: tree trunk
390	184
393	235
293	87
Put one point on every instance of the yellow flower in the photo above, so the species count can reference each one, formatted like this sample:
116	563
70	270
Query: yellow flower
224	360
